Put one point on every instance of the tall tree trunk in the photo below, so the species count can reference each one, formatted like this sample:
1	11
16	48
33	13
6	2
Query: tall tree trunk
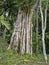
30	24
15	36
22	43
43	30
22	35
37	32
28	35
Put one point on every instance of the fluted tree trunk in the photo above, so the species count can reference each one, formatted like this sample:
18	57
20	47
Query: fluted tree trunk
28	36
15	36
22	36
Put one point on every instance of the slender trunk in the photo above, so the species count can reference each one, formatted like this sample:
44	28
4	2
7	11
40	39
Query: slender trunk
43	31
37	32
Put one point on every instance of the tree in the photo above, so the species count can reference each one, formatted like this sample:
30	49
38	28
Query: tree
43	29
22	35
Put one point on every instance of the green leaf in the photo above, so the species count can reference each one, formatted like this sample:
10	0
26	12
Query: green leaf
4	22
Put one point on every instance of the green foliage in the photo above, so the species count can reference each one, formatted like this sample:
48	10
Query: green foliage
3	45
9	58
12	6
4	22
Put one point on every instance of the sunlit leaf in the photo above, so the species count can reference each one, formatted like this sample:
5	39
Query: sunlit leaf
4	22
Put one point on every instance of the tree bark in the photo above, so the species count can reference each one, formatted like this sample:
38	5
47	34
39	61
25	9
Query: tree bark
37	50
15	36
22	34
43	30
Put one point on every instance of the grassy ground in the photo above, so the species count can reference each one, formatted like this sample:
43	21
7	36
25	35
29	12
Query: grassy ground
12	58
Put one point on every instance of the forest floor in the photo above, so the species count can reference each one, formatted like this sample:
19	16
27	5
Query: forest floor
9	57
13	58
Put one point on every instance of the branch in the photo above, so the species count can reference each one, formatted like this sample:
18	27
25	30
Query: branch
36	5
46	14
